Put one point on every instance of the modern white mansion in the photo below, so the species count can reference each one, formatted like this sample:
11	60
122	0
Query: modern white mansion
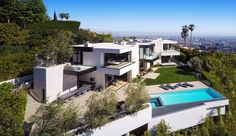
99	65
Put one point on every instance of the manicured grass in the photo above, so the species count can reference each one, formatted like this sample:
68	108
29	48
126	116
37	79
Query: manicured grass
172	75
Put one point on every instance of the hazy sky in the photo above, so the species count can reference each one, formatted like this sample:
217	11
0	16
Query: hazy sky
211	17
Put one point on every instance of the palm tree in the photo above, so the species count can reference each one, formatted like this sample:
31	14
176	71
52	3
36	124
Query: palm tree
191	27
184	34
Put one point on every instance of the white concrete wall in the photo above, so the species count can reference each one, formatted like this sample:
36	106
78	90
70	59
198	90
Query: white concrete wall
54	82
181	119
135	57
98	76
19	80
158	46
39	83
157	62
190	117
124	125
50	79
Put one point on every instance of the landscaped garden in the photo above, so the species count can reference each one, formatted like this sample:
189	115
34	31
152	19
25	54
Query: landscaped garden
172	75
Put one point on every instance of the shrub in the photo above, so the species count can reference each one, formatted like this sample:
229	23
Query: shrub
12	34
163	129
12	113
136	97
100	109
53	119
17	64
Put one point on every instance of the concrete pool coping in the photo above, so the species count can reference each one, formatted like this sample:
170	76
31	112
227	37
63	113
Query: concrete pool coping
163	110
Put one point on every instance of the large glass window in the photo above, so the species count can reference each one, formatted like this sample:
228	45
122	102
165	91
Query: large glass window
78	58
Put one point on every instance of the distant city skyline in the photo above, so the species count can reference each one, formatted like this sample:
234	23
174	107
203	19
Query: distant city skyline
150	17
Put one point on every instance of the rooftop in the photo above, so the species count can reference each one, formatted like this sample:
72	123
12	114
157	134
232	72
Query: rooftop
169	42
106	45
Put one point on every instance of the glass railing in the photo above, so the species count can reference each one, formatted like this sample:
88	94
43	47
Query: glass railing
150	56
172	49
119	65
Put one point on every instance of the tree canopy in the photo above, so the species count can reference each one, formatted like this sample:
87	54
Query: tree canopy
12	34
22	12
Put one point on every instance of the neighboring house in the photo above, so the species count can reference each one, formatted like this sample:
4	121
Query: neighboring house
152	52
167	51
99	65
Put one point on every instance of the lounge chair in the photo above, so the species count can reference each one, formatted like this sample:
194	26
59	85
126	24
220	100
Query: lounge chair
164	87
183	85
188	84
170	86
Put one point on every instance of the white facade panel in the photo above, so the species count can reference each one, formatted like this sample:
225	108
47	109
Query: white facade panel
49	79
181	119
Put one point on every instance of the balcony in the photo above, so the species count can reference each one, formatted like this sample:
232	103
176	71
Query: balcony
117	68
149	57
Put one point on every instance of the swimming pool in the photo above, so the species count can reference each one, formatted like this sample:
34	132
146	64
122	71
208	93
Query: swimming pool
186	96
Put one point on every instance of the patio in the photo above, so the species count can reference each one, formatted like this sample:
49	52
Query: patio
81	99
157	89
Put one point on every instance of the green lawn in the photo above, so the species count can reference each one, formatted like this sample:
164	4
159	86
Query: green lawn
172	75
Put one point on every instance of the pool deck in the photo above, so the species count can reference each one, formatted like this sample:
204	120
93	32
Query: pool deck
157	89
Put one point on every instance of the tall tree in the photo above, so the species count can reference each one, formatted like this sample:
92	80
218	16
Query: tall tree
54	16
64	15
9	11
191	27
35	11
67	16
184	34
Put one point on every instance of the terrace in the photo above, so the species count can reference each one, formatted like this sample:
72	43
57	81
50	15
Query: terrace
117	61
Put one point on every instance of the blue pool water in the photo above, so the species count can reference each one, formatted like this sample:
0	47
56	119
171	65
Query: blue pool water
187	96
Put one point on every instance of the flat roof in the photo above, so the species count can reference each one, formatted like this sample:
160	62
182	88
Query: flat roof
106	46
169	42
78	69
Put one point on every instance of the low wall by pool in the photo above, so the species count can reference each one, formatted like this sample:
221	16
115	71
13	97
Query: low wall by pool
183	116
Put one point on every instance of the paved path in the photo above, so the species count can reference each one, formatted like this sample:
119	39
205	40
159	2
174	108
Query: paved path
151	75
31	107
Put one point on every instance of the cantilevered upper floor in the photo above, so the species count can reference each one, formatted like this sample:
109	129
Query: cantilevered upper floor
109	58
